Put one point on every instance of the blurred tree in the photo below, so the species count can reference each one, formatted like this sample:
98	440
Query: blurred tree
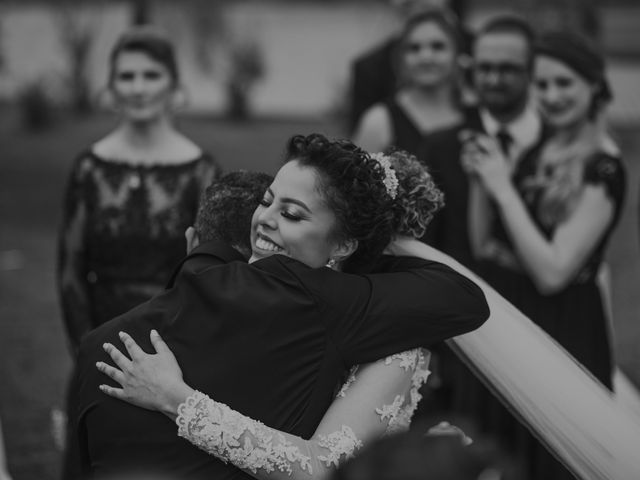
227	51
77	26
247	68
141	12
35	105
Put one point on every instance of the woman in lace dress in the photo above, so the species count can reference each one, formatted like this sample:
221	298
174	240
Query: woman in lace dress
376	399
553	218
131	195
428	67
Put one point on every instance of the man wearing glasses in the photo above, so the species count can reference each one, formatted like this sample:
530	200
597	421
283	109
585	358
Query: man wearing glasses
502	62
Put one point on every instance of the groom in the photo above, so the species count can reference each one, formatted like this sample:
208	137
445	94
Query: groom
248	335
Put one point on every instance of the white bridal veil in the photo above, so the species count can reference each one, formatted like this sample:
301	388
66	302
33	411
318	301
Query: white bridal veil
580	421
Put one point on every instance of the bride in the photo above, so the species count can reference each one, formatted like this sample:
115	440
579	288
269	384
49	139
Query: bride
376	399
379	398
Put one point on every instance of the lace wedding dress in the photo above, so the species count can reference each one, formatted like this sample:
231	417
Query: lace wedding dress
378	398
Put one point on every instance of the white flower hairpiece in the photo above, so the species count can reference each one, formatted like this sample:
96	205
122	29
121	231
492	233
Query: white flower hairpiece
390	179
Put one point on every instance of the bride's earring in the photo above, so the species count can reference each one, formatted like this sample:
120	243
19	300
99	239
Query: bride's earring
331	263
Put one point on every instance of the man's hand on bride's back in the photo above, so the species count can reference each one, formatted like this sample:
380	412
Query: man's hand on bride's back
152	381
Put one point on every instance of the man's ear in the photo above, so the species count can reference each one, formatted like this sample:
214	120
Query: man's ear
344	250
192	239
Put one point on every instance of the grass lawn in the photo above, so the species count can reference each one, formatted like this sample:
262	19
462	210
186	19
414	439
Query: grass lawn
34	360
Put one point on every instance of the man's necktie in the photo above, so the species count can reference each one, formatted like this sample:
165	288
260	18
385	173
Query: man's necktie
505	140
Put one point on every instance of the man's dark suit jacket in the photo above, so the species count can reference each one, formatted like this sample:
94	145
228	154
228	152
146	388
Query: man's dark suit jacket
373	79
440	151
271	339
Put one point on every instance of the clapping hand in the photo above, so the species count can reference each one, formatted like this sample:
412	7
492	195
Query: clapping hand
481	156
151	381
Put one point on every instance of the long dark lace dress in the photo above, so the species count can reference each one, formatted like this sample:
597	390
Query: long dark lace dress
123	233
575	317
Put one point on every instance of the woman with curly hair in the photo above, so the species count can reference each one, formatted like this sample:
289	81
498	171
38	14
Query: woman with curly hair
377	398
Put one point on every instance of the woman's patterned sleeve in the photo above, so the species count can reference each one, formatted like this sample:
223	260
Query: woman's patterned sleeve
71	268
608	171
380	399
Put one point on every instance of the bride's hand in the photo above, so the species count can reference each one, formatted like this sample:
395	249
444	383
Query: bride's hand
152	381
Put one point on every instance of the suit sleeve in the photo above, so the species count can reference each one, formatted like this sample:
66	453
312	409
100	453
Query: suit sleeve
415	303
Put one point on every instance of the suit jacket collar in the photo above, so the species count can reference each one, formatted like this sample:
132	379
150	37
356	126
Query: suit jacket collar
525	130
214	248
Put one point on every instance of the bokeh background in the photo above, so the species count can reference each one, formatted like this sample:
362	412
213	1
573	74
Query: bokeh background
255	73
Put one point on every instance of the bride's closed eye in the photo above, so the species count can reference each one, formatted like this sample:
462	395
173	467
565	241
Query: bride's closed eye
288	213
291	215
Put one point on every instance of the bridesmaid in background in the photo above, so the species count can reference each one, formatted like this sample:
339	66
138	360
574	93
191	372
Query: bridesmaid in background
428	66
131	195
553	219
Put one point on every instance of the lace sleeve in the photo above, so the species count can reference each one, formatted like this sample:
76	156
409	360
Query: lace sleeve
71	271
608	171
380	399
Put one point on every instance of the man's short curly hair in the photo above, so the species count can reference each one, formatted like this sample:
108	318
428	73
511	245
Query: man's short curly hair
226	208
351	184
418	197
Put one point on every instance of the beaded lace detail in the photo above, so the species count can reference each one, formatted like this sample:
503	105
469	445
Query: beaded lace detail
123	234
343	442
250	445
350	379
400	412
233	437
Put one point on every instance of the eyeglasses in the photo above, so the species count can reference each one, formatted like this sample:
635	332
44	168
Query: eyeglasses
504	69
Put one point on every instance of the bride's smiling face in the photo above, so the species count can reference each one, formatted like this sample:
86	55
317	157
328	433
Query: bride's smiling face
294	220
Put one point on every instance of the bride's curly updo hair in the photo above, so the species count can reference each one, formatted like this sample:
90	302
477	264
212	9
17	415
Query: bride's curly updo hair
352	185
418	197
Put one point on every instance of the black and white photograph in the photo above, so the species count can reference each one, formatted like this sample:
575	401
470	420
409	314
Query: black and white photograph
319	240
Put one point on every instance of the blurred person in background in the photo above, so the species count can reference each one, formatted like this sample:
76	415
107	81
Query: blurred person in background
427	98
130	195
373	75
540	228
502	55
